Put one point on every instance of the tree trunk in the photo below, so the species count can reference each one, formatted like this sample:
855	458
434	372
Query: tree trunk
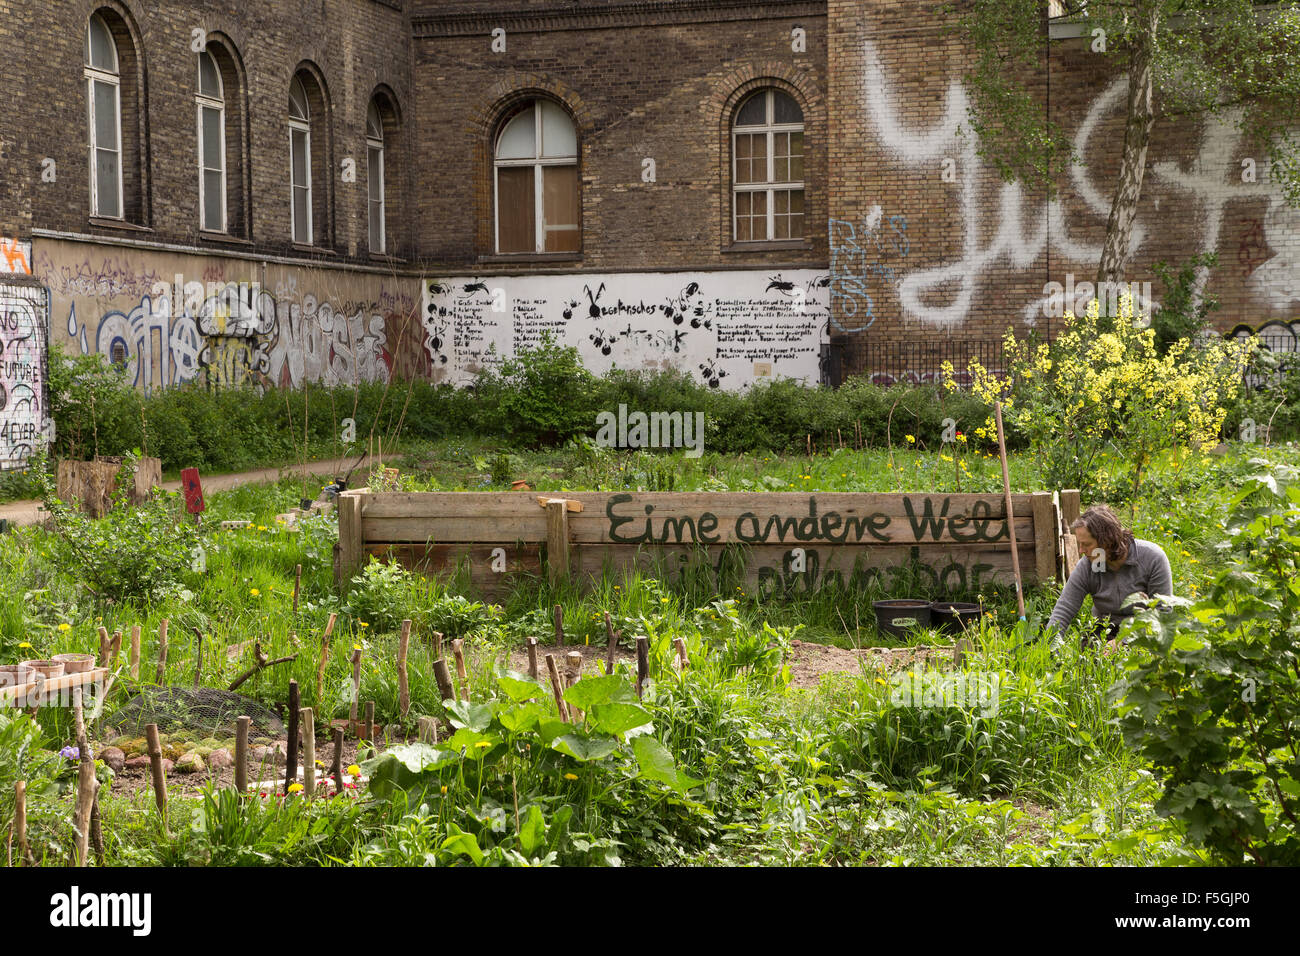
1137	136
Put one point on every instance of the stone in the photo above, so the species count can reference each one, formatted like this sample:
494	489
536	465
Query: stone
190	762
167	765
136	763
220	759
114	757
268	755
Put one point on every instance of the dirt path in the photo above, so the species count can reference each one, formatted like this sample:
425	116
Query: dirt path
29	511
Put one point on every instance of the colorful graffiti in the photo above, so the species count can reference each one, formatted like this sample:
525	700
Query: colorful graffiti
223	331
24	420
15	256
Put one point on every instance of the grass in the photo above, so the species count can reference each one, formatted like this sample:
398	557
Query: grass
835	774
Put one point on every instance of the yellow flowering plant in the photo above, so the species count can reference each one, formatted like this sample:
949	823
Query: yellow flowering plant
1102	400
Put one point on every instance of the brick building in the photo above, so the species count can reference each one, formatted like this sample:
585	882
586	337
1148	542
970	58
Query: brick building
356	189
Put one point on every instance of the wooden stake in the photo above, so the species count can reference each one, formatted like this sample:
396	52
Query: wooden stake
114	649
532	658
241	754
1011	528
437	645
309	752
198	663
557	540
20	823
337	768
959	650
642	663
611	644
297	586
291	745
683	661
557	688
458	650
428	730
356	689
156	769
162	651
443	676
86	782
573	673
324	657
135	652
559	625
403	688
103	646
96	833
370	721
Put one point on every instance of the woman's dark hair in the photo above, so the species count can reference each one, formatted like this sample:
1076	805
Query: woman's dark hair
1111	536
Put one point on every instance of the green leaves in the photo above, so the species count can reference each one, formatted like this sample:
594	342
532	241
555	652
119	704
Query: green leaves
583	748
657	763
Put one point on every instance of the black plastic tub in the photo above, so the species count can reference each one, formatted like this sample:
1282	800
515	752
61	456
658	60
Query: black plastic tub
953	617
898	616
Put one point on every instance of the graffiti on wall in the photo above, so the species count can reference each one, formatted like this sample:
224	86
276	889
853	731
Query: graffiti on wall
24	419
15	256
1008	228
859	259
166	329
726	329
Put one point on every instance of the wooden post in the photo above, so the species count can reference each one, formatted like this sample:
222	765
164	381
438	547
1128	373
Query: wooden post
297	586
337	769
356	689
557	688
611	644
1011	529
135	652
20	823
309	752
324	656
1045	536
103	646
458	651
291	745
443	676
1069	506
351	541
532	658
683	661
241	754
370	721
428	730
156	770
86	782
959	650
162	651
437	645
572	674
642	663
403	688
558	614
114	649
557	540
198	662
96	833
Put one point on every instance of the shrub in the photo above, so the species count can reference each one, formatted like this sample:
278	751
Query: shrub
541	396
1213	697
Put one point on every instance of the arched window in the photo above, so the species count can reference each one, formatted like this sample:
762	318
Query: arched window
536	188
300	162
767	168
211	101
104	96
375	177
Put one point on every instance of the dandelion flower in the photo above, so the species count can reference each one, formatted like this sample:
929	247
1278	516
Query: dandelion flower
354	770
295	787
444	788
65	626
25	645
255	592
482	745
363	624
570	776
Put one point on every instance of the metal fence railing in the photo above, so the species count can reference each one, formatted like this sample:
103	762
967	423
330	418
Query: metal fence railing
919	363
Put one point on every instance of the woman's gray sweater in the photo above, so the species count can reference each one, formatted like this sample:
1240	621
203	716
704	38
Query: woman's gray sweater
1146	570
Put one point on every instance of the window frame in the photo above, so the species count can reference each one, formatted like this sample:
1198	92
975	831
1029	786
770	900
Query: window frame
113	79
300	125
375	144
204	101
539	163
770	129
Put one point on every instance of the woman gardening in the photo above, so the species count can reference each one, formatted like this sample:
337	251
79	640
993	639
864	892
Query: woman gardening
1112	566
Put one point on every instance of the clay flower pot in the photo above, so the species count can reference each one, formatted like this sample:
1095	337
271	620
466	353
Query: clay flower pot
76	663
13	675
46	668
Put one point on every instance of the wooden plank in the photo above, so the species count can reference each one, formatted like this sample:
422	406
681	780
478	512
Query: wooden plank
351	538
1045	537
1069	506
557	541
54	684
